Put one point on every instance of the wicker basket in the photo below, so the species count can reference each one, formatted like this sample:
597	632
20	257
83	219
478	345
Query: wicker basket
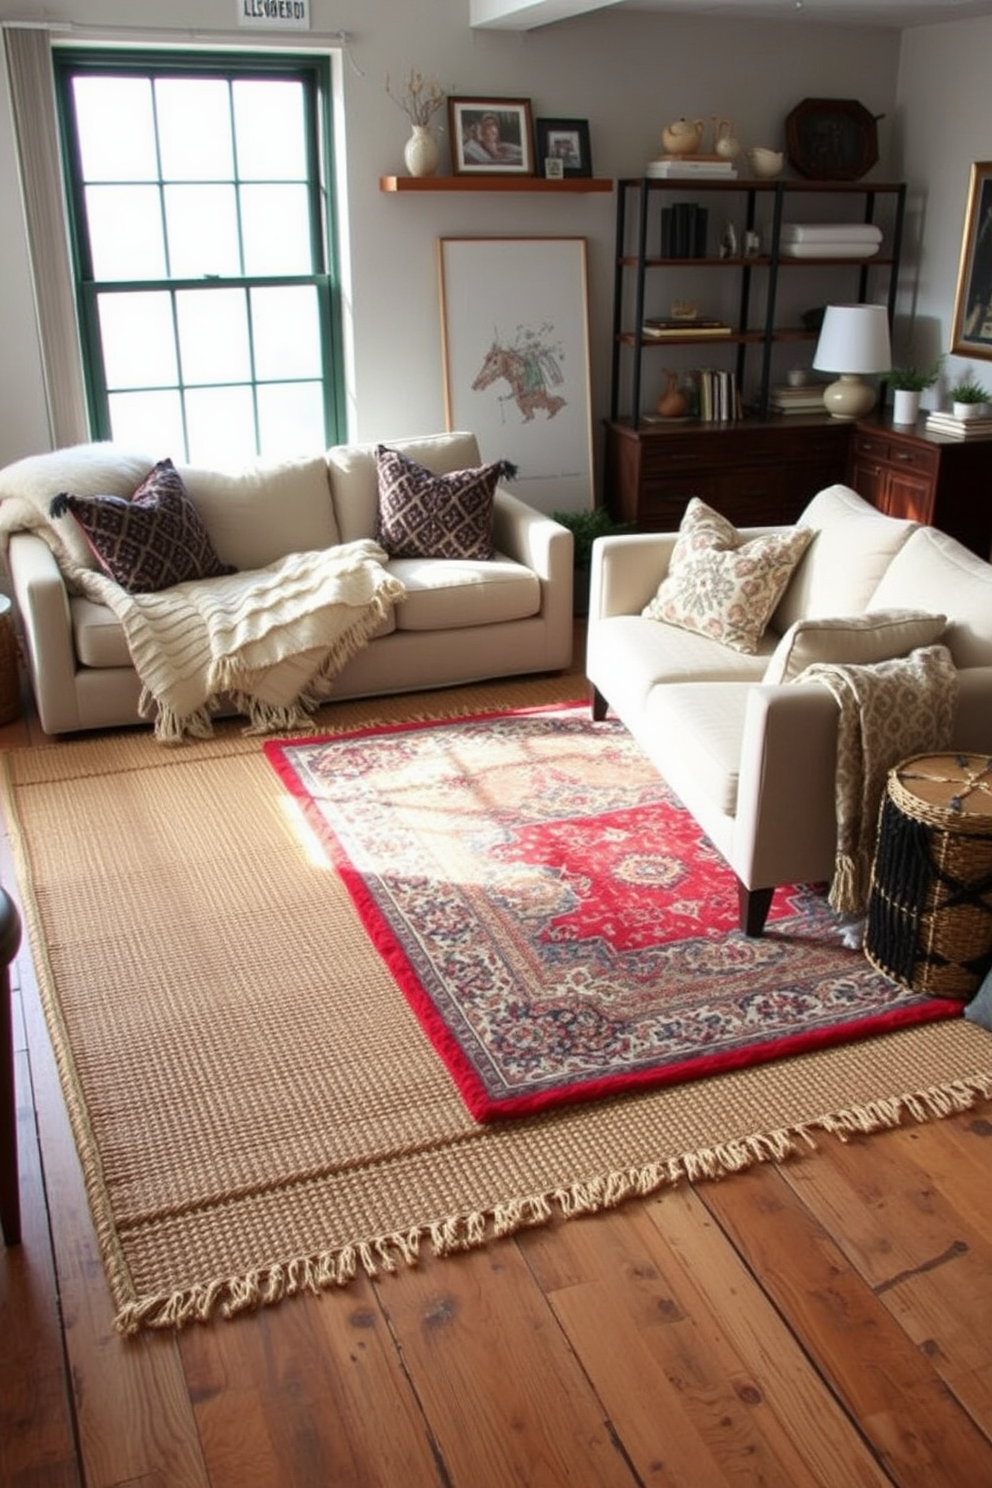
10	673
930	903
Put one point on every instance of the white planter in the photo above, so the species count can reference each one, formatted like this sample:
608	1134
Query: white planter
905	405
965	411
420	153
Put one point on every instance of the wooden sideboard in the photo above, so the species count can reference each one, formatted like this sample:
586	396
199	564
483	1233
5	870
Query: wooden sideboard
765	471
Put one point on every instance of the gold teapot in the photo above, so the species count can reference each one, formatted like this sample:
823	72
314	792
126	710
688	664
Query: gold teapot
683	136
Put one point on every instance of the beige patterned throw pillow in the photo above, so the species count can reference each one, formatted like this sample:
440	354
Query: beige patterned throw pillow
722	585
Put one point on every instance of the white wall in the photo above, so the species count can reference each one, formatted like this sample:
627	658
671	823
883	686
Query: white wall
944	125
627	72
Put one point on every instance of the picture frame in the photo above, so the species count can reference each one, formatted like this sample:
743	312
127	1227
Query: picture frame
971	334
566	140
515	360
491	136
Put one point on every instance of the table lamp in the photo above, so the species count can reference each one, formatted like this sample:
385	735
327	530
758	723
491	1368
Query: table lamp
854	339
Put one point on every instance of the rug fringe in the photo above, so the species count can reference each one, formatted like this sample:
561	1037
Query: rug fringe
462	1232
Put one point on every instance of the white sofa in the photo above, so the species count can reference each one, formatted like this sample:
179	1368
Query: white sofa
755	762
460	621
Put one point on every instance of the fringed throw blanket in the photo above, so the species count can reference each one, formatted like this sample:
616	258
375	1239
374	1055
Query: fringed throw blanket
270	639
888	711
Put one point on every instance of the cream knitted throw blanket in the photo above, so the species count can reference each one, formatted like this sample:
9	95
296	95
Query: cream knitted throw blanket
270	639
888	710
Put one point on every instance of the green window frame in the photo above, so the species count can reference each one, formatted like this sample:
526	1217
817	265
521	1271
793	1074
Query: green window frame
207	290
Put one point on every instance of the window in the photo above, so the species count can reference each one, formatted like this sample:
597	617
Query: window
202	237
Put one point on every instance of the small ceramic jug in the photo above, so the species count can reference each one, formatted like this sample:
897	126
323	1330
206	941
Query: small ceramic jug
725	143
682	137
672	403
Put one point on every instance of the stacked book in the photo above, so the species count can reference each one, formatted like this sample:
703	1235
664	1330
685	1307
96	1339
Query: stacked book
655	329
829	240
946	423
683	231
689	167
808	398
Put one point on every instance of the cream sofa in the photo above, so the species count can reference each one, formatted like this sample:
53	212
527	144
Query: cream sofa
459	622
755	761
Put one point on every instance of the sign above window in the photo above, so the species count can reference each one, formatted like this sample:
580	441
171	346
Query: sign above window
279	15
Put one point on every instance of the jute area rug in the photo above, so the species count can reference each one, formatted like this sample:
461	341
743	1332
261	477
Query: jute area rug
256	1109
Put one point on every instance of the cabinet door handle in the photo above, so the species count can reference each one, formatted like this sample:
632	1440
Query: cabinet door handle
906	456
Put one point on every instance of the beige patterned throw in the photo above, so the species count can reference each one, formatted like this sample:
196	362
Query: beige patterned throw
270	639
888	710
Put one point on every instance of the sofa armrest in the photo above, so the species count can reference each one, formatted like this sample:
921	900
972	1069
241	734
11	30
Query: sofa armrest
626	570
543	545
786	821
43	607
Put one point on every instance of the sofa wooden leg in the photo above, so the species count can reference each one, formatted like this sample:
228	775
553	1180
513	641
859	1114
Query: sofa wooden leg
754	906
599	706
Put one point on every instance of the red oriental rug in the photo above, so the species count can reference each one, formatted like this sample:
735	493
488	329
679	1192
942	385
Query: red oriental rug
556	919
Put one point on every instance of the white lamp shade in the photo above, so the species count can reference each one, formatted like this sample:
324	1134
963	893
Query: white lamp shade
854	339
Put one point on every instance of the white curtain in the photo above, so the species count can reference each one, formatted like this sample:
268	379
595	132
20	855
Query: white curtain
29	69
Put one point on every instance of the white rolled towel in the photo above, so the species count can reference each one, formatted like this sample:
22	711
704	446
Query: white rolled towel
833	232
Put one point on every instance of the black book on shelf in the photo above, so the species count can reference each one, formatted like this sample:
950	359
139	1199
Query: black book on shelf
667	228
699	235
681	230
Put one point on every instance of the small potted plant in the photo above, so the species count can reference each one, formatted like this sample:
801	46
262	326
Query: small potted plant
907	385
969	399
585	527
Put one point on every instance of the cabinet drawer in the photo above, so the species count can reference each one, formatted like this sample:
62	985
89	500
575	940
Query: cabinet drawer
878	449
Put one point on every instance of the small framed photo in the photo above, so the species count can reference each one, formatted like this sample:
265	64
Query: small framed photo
491	136
972	332
554	168
566	140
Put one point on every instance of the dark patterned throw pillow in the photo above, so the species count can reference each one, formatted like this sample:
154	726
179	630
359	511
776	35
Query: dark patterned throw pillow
423	515
151	540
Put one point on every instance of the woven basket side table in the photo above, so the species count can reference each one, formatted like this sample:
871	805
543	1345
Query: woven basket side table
929	922
10	673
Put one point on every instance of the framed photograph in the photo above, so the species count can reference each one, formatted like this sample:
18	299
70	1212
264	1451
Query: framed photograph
972	332
566	140
515	359
491	136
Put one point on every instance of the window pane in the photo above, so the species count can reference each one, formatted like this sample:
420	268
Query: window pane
126	232
202	227
139	344
116	128
220	425
290	419
275	223
152	422
269	129
213	335
285	332
194	120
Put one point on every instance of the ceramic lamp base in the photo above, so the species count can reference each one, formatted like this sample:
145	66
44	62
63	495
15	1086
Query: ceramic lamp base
849	397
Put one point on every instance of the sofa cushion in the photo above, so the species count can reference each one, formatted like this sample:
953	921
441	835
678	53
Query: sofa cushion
840	570
453	595
354	481
150	541
266	510
97	635
88	470
423	515
712	717
721	585
636	654
937	572
858	640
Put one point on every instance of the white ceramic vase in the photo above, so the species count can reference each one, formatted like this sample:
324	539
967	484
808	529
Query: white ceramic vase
420	153
905	405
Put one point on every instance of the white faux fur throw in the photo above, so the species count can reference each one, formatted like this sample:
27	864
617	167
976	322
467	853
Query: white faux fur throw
271	639
888	711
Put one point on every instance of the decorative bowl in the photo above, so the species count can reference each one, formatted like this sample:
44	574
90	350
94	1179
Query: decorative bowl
765	164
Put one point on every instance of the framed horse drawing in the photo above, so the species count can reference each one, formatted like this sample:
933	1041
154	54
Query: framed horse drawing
515	359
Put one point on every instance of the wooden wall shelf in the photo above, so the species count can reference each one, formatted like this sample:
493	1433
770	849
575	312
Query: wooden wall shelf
494	183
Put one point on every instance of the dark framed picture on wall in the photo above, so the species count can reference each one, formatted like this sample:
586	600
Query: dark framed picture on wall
565	140
491	136
972	332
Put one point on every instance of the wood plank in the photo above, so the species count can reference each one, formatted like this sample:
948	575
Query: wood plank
37	1445
697	1370
346	1412
504	1397
917	1428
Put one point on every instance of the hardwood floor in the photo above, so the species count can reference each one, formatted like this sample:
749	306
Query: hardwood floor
826	1322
